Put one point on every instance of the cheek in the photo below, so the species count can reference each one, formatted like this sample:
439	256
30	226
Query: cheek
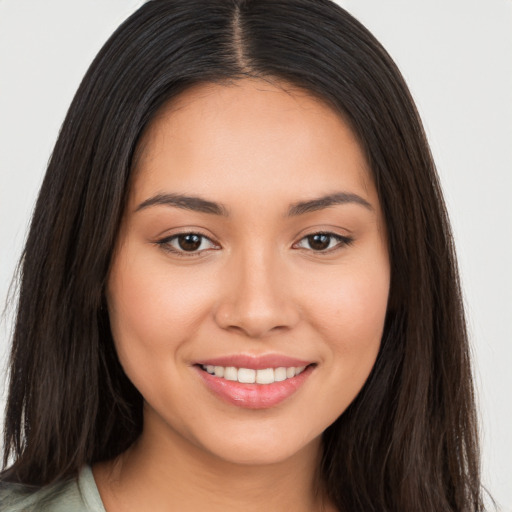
349	314
359	310
153	309
350	321
353	301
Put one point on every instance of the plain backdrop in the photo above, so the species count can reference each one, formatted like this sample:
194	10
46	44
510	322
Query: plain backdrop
456	56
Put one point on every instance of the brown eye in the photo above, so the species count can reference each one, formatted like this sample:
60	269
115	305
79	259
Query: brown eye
319	241
323	242
189	242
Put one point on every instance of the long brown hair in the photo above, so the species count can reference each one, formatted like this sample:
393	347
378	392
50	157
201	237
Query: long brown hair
408	442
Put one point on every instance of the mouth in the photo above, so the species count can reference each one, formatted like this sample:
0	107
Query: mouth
262	376
255	388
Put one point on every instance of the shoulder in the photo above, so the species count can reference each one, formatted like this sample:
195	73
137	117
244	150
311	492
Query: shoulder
77	495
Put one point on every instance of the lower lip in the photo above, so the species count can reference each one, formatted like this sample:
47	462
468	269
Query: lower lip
254	396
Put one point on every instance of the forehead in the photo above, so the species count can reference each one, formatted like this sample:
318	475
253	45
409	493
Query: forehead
251	137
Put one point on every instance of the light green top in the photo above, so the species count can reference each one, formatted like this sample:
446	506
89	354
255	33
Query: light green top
70	496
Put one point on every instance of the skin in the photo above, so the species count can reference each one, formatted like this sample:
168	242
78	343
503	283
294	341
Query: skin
256	286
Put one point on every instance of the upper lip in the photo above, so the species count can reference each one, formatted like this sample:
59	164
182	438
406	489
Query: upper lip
255	362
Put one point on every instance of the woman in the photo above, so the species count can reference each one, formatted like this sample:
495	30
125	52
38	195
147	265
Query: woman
239	289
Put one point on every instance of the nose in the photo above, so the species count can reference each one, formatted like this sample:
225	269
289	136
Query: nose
257	299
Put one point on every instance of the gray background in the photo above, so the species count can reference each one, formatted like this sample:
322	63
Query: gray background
457	58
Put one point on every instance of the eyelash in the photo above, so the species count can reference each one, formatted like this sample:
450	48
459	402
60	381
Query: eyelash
342	241
165	243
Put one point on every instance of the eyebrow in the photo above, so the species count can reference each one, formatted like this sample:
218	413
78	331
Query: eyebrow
326	201
201	205
193	203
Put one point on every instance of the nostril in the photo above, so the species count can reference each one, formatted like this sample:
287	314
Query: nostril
254	319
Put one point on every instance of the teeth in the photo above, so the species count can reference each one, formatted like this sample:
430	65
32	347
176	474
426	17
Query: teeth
231	373
251	376
280	374
265	376
246	375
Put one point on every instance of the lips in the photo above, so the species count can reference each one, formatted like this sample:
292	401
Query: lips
255	362
252	376
254	382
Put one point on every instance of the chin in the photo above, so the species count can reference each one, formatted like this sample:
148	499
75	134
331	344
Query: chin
264	448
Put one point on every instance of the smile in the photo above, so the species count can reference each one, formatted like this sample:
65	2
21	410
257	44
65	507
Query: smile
252	376
268	383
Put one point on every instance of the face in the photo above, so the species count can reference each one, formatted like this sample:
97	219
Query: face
249	286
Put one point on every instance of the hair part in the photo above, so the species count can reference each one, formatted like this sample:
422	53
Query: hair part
409	439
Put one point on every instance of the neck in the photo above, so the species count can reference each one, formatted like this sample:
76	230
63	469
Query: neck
163	472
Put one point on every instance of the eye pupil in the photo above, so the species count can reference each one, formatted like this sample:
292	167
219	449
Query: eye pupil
319	242
189	242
